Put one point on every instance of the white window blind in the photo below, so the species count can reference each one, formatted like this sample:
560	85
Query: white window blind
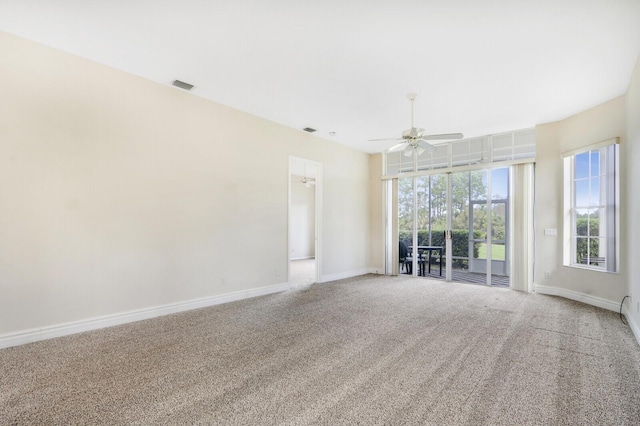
511	147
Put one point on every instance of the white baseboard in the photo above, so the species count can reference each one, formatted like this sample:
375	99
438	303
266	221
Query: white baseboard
303	258
50	332
578	297
347	274
634	326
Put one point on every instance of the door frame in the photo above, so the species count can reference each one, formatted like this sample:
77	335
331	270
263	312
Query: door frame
293	161
448	242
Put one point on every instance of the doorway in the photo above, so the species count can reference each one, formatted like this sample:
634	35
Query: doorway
458	223
303	251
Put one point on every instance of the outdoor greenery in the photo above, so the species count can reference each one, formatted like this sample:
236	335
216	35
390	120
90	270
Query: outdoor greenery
468	191
497	251
460	243
588	227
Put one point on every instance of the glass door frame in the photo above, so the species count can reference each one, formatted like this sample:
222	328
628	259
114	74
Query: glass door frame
448	243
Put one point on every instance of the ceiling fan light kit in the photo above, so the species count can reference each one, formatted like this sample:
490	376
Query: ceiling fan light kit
307	181
414	139
419	150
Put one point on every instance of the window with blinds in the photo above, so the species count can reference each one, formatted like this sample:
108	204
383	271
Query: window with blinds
510	147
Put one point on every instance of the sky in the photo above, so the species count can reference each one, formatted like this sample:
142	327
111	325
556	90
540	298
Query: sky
587	175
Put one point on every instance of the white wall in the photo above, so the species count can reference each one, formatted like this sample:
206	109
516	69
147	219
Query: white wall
631	163
119	194
302	220
597	124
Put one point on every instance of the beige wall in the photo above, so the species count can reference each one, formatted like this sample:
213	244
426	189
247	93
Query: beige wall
120	194
632	196
597	124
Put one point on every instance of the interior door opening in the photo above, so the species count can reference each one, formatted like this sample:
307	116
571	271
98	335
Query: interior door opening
304	207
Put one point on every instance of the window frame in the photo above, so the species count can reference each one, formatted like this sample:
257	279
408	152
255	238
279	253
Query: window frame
607	206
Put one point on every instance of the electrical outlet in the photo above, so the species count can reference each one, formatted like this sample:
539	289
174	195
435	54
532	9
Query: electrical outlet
222	281
276	272
547	275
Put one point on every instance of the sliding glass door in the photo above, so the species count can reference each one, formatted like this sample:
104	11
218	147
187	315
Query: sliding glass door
455	226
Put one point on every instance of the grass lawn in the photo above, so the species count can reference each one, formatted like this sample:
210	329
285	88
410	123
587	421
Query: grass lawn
497	251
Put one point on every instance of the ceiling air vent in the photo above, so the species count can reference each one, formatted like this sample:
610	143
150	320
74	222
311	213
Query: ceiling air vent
182	85
309	129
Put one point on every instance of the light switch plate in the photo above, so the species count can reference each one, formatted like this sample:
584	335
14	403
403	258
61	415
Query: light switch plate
550	231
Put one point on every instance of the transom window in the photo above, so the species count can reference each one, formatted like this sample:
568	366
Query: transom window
514	147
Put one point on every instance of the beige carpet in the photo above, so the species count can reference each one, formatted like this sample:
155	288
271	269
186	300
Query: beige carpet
302	272
371	350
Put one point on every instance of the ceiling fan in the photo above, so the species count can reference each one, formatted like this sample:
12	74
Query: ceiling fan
307	181
413	139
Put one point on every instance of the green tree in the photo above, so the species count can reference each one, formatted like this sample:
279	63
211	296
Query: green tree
589	227
432	208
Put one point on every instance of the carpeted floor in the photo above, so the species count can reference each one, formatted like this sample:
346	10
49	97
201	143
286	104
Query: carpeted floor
369	350
459	276
302	272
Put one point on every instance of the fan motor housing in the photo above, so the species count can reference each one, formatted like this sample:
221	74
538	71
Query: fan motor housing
412	133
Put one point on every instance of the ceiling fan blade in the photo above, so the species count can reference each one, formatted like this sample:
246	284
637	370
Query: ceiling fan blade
442	137
408	151
425	146
397	147
385	139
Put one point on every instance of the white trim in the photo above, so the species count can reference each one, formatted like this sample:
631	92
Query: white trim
50	332
303	258
607	207
317	216
634	327
578	297
591	147
347	274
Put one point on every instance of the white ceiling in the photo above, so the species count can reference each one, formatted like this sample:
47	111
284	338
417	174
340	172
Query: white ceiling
479	66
